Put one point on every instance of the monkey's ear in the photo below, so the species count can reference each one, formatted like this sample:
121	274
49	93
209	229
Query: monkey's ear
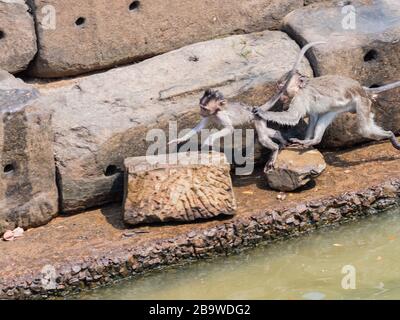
303	81
222	103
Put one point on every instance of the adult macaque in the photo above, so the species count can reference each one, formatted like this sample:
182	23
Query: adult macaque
214	109
322	99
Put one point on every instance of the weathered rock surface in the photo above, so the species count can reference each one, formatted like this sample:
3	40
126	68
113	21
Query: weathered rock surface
95	35
102	119
369	53
294	168
179	187
17	36
28	192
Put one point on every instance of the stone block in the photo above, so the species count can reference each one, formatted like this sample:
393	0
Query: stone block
28	191
17	36
180	187
94	35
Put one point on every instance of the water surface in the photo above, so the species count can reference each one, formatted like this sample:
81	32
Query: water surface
309	267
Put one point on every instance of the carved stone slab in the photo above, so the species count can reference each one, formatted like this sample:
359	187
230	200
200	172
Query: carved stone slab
178	187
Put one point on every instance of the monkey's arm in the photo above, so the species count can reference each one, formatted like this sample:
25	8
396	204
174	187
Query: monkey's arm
202	125
228	129
291	117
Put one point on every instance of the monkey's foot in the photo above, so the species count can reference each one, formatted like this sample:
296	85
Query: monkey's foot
301	143
270	166
283	145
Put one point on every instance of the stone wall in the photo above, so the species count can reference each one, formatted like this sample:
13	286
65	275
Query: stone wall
102	119
17	36
93	35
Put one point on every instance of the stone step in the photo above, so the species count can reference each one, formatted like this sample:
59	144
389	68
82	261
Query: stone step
28	191
102	119
17	36
363	44
78	36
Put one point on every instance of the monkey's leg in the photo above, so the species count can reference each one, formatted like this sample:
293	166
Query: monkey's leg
369	129
263	137
310	129
278	136
311	126
323	122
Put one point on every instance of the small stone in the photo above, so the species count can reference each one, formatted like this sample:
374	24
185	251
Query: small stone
294	168
18	232
8	236
76	269
281	196
301	208
290	220
192	234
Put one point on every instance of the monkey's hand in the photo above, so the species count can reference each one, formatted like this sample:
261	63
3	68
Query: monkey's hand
255	110
258	113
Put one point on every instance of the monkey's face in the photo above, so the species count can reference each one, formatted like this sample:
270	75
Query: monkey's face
293	85
212	107
211	102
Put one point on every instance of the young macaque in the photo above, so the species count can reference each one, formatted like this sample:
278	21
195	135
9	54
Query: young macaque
214	109
322	99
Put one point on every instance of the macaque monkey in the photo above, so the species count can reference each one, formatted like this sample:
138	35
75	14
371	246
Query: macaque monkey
214	109
322	99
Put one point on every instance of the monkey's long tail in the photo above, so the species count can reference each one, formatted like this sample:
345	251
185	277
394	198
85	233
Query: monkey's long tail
303	53
275	98
388	87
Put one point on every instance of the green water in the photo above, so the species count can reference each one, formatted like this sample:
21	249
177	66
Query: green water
309	267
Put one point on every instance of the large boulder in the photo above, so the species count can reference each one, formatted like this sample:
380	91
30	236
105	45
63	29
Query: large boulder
102	119
17	36
93	35
368	53
28	191
180	187
294	168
